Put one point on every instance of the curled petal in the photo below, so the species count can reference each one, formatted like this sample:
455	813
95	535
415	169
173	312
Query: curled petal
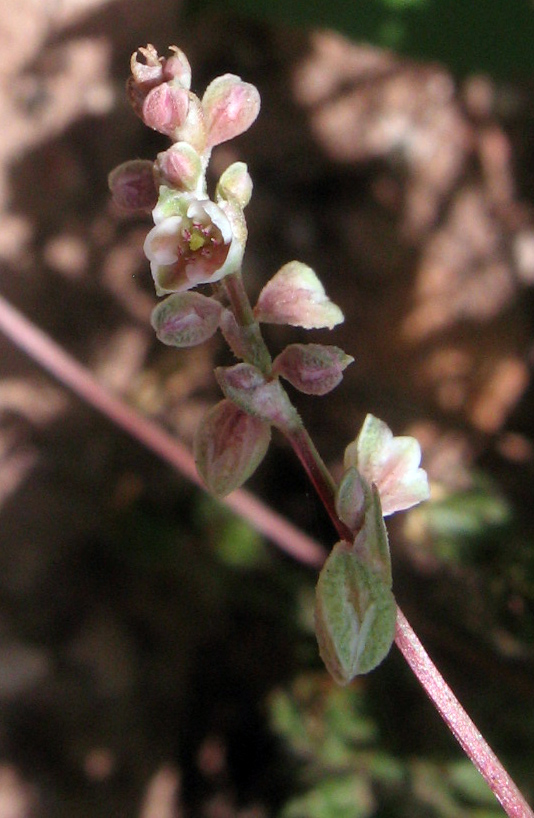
295	296
230	107
177	67
149	70
147	74
391	463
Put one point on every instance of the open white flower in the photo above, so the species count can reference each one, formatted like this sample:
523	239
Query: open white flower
193	242
391	463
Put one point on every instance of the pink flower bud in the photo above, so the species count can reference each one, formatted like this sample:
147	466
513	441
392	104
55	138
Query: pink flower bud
180	166
256	395
230	107
235	183
229	446
165	108
295	296
312	368
233	334
132	185
186	319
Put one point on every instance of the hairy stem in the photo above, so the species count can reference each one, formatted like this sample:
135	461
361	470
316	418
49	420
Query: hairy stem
252	339
459	723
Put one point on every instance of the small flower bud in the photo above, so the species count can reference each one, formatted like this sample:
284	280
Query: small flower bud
391	463
230	107
312	368
180	166
233	334
133	186
235	183
186	319
229	446
249	389
156	70
295	296
165	108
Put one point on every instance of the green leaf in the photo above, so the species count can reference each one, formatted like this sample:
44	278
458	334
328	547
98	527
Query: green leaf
355	615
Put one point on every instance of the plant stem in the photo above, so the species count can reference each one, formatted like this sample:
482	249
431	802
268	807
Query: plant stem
257	353
464	730
459	723
448	706
320	477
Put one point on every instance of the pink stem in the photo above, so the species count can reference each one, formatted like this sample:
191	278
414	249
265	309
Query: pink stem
72	374
464	730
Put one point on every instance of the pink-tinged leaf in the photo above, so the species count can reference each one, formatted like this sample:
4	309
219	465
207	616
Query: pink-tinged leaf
229	446
312	368
295	296
186	319
355	615
230	107
255	394
391	463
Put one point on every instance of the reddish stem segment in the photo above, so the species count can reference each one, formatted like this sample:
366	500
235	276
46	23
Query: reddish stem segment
320	477
464	730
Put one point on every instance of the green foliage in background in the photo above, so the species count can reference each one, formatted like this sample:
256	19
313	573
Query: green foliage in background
489	36
346	770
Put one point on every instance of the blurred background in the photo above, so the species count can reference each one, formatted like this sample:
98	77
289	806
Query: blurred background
157	657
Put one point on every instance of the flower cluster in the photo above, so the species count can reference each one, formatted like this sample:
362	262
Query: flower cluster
195	240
